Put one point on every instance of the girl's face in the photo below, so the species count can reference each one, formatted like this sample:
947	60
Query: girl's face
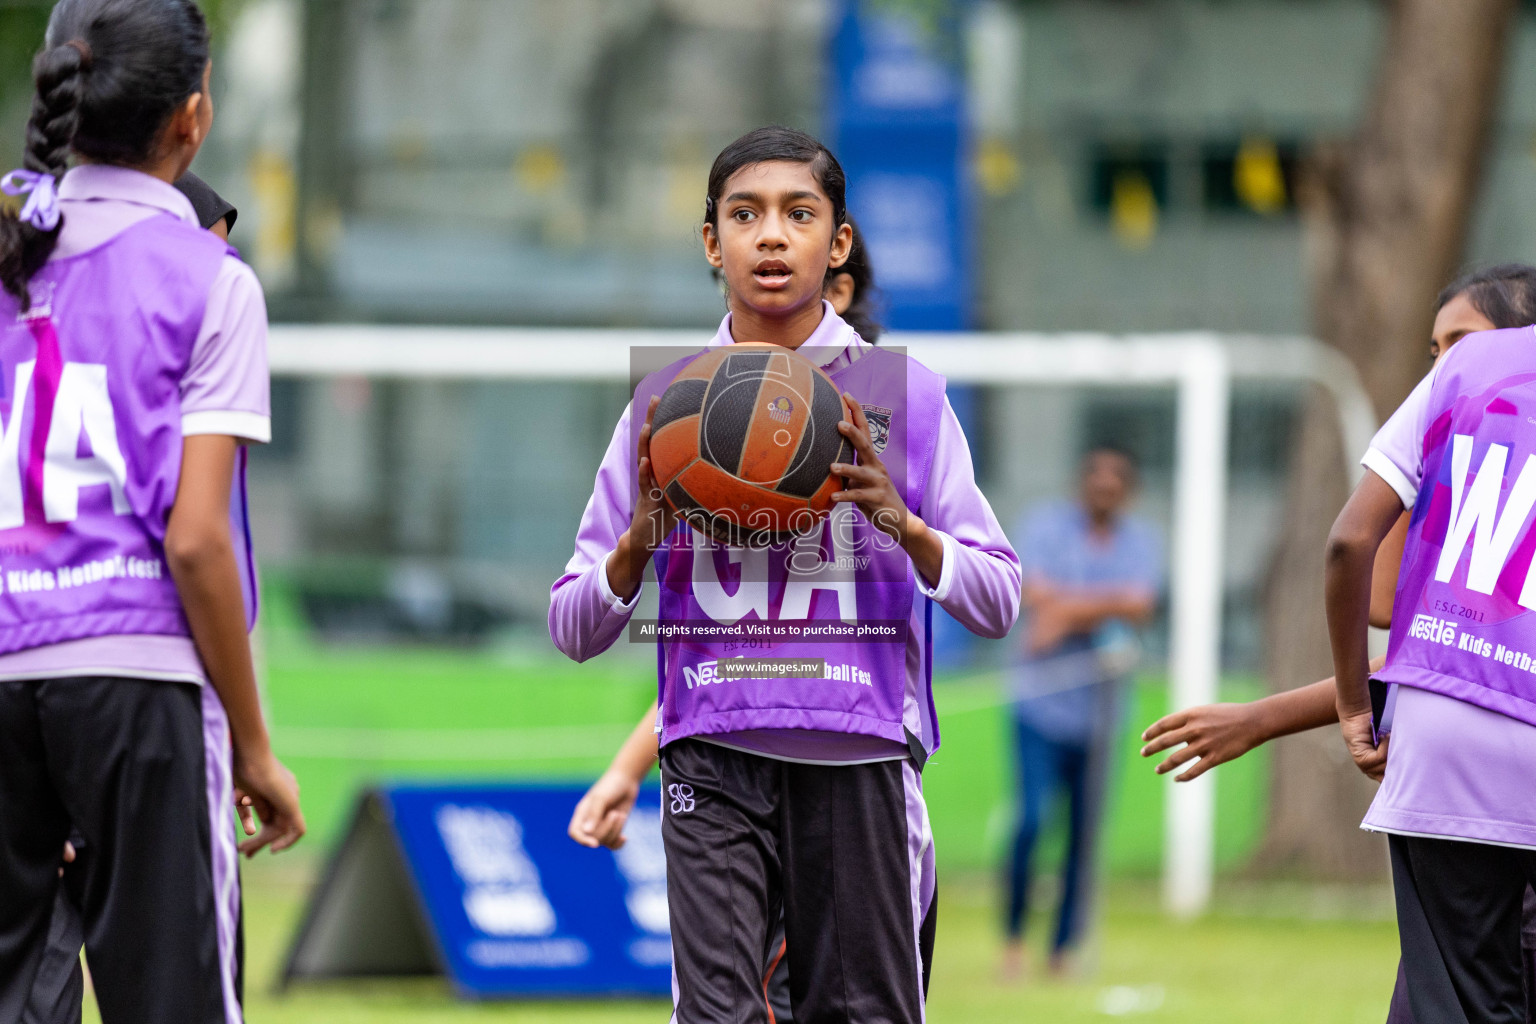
1456	319
775	238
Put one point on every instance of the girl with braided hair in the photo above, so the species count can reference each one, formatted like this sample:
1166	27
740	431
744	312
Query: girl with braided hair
132	373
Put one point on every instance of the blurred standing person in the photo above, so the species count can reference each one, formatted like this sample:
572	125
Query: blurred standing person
1092	574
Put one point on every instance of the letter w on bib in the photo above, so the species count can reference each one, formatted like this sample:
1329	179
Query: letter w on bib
1475	515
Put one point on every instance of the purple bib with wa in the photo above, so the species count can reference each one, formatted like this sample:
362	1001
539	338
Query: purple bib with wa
845	587
1463	622
90	437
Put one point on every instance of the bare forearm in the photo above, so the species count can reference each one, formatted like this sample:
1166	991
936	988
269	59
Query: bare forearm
626	566
1389	559
925	549
1356	536
208	580
1293	711
638	755
1348	601
1306	707
201	557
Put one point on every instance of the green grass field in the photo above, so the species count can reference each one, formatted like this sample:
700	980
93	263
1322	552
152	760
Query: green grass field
1263	961
344	718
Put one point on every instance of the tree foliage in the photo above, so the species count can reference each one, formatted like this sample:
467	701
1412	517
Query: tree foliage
23	22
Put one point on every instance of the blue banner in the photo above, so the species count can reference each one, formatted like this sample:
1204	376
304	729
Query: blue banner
896	119
517	908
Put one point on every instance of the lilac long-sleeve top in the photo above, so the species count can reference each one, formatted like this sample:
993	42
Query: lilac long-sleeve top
978	584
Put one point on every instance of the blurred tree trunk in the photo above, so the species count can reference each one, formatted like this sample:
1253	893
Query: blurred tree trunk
1386	216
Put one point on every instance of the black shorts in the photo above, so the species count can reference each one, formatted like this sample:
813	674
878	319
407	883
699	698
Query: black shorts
1459	909
142	770
842	851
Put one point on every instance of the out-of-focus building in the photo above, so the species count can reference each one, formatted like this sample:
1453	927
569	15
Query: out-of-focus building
1133	167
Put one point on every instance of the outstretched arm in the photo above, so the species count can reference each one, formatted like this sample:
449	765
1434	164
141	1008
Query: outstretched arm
1218	733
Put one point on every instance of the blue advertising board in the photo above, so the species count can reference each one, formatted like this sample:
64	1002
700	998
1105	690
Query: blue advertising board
896	117
496	896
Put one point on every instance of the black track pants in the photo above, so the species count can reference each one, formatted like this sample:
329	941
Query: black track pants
142	770
1459	915
842	850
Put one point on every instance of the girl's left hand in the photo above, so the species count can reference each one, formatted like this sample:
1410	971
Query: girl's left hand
601	814
1214	733
868	484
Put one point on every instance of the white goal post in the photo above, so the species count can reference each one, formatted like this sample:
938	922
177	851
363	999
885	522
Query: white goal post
1199	366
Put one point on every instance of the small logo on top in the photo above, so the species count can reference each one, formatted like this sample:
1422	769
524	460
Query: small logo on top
879	426
779	409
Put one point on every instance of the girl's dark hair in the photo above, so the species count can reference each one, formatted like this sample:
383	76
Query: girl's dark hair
108	77
778	143
1505	294
860	314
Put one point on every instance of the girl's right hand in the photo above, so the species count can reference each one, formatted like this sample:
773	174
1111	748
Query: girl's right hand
274	795
601	814
1215	733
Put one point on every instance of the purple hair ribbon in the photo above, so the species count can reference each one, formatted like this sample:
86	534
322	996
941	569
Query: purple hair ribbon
41	209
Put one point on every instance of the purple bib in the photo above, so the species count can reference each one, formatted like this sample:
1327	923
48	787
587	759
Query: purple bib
842	576
90	437
1462	619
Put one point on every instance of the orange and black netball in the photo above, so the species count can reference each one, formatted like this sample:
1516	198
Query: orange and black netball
743	442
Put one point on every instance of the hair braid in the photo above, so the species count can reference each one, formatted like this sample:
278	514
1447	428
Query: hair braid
58	74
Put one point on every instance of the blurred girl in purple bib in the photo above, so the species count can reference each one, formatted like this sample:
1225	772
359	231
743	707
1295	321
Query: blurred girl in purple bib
1455	801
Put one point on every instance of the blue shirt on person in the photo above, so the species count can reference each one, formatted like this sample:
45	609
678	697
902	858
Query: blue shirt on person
1067	692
